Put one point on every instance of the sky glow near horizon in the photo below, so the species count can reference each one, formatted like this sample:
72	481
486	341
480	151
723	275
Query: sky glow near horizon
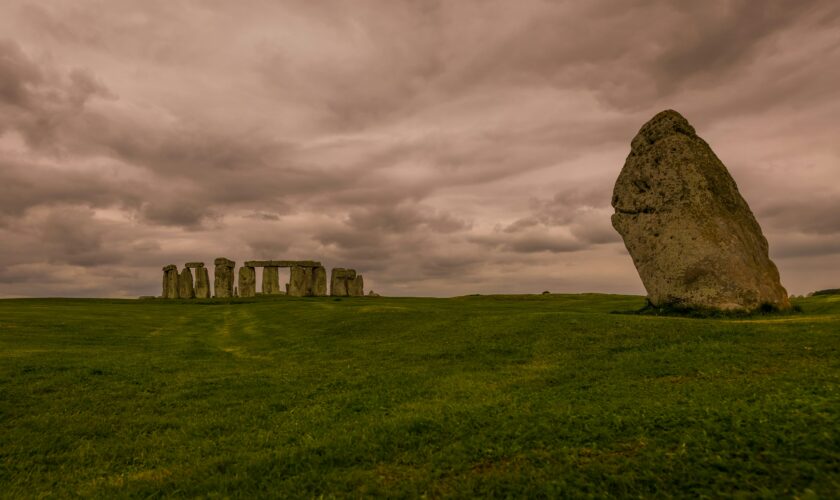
439	148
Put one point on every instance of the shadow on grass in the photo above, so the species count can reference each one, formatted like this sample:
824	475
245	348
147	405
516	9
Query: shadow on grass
674	310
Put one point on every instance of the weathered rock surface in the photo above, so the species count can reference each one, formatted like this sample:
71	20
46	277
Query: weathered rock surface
300	281
271	281
692	237
186	290
170	282
247	281
345	282
202	283
223	280
194	265
319	281
356	286
338	282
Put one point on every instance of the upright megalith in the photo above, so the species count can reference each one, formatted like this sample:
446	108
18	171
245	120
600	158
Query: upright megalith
345	282
170	282
692	237
338	281
247	281
186	290
319	281
356	286
271	280
223	281
202	282
300	281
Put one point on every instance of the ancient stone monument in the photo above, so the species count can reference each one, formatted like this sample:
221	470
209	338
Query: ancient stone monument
307	278
271	280
170	282
319	281
202	279
692	237
247	281
346	283
186	289
356	288
223	281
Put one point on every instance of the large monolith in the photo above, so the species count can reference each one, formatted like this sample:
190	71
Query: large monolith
247	281
319	281
170	282
271	280
300	281
356	286
186	290
202	282
223	280
692	237
338	281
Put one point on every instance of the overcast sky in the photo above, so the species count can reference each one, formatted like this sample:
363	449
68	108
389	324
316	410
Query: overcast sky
440	148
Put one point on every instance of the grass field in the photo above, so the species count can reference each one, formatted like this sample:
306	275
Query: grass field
520	396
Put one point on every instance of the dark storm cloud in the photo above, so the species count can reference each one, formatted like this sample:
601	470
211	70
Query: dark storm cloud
439	147
821	216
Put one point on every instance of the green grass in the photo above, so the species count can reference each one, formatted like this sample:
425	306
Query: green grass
519	396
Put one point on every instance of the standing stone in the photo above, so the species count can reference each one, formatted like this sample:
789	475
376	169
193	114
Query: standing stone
338	282
170	282
185	284
356	286
271	281
223	281
247	281
202	283
692	237
319	281
300	281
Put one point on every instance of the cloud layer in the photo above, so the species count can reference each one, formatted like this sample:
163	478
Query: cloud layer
440	148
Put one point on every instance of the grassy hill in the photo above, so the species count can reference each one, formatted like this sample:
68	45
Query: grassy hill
487	395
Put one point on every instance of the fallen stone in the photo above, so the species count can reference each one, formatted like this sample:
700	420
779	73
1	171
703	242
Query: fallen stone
692	237
186	289
247	281
373	294
223	280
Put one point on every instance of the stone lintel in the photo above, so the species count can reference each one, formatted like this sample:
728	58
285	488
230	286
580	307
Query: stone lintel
170	267
194	265
221	261
282	263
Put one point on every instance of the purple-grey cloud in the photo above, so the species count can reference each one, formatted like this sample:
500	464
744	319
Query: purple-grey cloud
438	147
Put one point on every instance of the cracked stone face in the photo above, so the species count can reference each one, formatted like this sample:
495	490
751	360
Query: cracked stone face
202	283
692	237
223	279
247	281
186	290
170	282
